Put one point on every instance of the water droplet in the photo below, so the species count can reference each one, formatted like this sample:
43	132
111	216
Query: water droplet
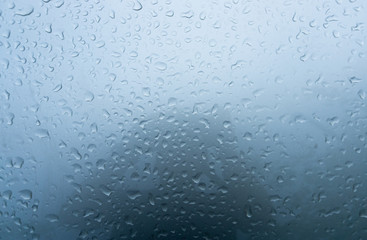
161	66
248	211
76	154
151	199
25	11
42	133
363	213
226	124
247	136
7	194
196	178
354	80
133	194
10	118
202	16
101	164
172	101
280	179
187	14
212	43
59	3
88	96
333	121
106	190
362	94
52	218
48	28
17	162
170	13
26	194
137	6
57	88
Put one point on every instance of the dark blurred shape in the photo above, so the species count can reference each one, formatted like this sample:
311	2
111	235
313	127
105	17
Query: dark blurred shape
175	175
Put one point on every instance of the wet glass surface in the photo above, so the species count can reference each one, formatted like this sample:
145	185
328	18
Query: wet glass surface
236	120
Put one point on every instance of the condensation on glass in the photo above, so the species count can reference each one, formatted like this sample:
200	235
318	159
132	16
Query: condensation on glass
162	119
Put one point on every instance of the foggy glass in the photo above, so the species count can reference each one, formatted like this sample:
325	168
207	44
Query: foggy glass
238	119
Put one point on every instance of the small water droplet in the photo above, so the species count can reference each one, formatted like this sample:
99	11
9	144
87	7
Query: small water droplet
362	94
248	211
26	194
17	162
101	164
280	179
7	194
187	14
161	66
354	80
133	194
59	3
42	133
137	6
52	218
106	190
226	124
10	118
151	199
247	136
76	154
57	88
88	96
170	13
333	121
363	213
48	28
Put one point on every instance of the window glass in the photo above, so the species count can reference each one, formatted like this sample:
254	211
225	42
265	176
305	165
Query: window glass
164	119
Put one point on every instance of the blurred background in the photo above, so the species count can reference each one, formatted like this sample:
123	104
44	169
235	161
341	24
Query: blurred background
164	119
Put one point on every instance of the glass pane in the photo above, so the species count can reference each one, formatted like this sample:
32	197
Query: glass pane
163	119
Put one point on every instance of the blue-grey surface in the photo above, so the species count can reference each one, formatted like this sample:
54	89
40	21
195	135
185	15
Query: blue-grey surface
193	119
